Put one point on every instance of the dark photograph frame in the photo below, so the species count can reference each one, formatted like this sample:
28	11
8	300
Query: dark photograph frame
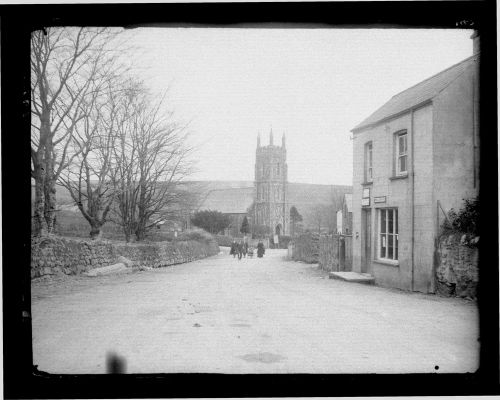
23	380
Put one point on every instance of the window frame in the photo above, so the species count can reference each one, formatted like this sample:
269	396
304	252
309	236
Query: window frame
398	155
394	234
368	164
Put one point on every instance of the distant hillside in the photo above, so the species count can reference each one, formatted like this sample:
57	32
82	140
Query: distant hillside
237	196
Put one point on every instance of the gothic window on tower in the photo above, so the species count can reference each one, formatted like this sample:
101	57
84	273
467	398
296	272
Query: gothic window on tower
278	169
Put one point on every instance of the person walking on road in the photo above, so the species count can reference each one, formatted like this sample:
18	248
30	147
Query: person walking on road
260	249
234	248
245	249
240	250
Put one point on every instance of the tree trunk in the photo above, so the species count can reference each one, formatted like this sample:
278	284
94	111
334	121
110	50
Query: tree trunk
50	206
95	231
49	190
140	234
40	226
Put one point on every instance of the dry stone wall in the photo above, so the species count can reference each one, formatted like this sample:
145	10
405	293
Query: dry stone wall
58	255
328	253
457	267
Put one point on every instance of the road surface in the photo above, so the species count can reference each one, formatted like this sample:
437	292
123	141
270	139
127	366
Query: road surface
256	315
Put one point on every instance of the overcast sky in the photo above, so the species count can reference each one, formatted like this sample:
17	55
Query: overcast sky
313	84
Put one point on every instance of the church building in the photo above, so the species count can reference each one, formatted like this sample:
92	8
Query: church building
271	206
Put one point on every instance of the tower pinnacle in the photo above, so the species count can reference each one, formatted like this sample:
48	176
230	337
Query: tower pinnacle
271	137
283	140
258	139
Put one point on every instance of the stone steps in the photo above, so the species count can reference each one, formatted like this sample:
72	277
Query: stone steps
110	269
350	276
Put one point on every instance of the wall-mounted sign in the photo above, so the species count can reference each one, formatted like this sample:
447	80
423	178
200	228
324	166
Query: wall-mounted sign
366	193
365	202
379	199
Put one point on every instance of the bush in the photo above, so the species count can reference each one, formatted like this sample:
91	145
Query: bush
211	221
224	240
198	235
260	231
284	240
466	220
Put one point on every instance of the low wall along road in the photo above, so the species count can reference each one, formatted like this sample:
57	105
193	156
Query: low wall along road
58	255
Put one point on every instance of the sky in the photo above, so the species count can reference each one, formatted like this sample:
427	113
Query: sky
314	85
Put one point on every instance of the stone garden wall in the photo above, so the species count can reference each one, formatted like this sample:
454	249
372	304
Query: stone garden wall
329	253
56	255
456	267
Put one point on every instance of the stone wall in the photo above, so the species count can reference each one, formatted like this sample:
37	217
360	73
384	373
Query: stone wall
456	267
329	253
55	255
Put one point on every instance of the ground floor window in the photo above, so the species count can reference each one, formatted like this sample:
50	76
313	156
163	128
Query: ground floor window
388	234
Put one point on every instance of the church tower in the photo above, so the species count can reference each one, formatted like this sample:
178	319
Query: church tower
271	187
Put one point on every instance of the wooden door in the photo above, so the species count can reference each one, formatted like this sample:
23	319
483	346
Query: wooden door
367	235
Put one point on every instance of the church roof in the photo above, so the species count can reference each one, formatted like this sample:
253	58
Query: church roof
417	94
229	201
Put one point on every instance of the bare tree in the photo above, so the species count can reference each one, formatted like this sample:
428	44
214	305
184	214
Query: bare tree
322	216
151	161
89	177
65	64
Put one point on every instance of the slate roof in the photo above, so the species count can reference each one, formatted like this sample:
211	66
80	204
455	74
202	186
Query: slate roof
229	201
417	94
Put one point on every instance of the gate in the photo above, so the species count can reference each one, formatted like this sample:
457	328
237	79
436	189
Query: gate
345	252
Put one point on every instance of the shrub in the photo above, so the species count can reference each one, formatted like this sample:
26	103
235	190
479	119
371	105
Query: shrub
224	240
211	221
466	220
195	234
284	240
260	231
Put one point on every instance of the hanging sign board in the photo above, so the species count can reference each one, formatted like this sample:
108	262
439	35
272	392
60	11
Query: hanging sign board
379	199
365	202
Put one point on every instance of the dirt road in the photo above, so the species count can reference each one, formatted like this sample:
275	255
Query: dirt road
250	316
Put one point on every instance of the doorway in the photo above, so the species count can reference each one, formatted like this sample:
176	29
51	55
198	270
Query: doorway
278	229
366	234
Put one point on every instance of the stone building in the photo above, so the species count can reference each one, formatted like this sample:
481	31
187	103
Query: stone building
415	158
271	206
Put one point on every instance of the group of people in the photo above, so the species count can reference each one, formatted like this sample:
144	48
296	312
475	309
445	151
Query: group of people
241	249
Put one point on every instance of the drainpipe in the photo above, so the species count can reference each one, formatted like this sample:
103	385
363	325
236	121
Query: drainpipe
474	129
412	205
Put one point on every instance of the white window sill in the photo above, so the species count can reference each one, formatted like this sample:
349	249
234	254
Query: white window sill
401	176
392	263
